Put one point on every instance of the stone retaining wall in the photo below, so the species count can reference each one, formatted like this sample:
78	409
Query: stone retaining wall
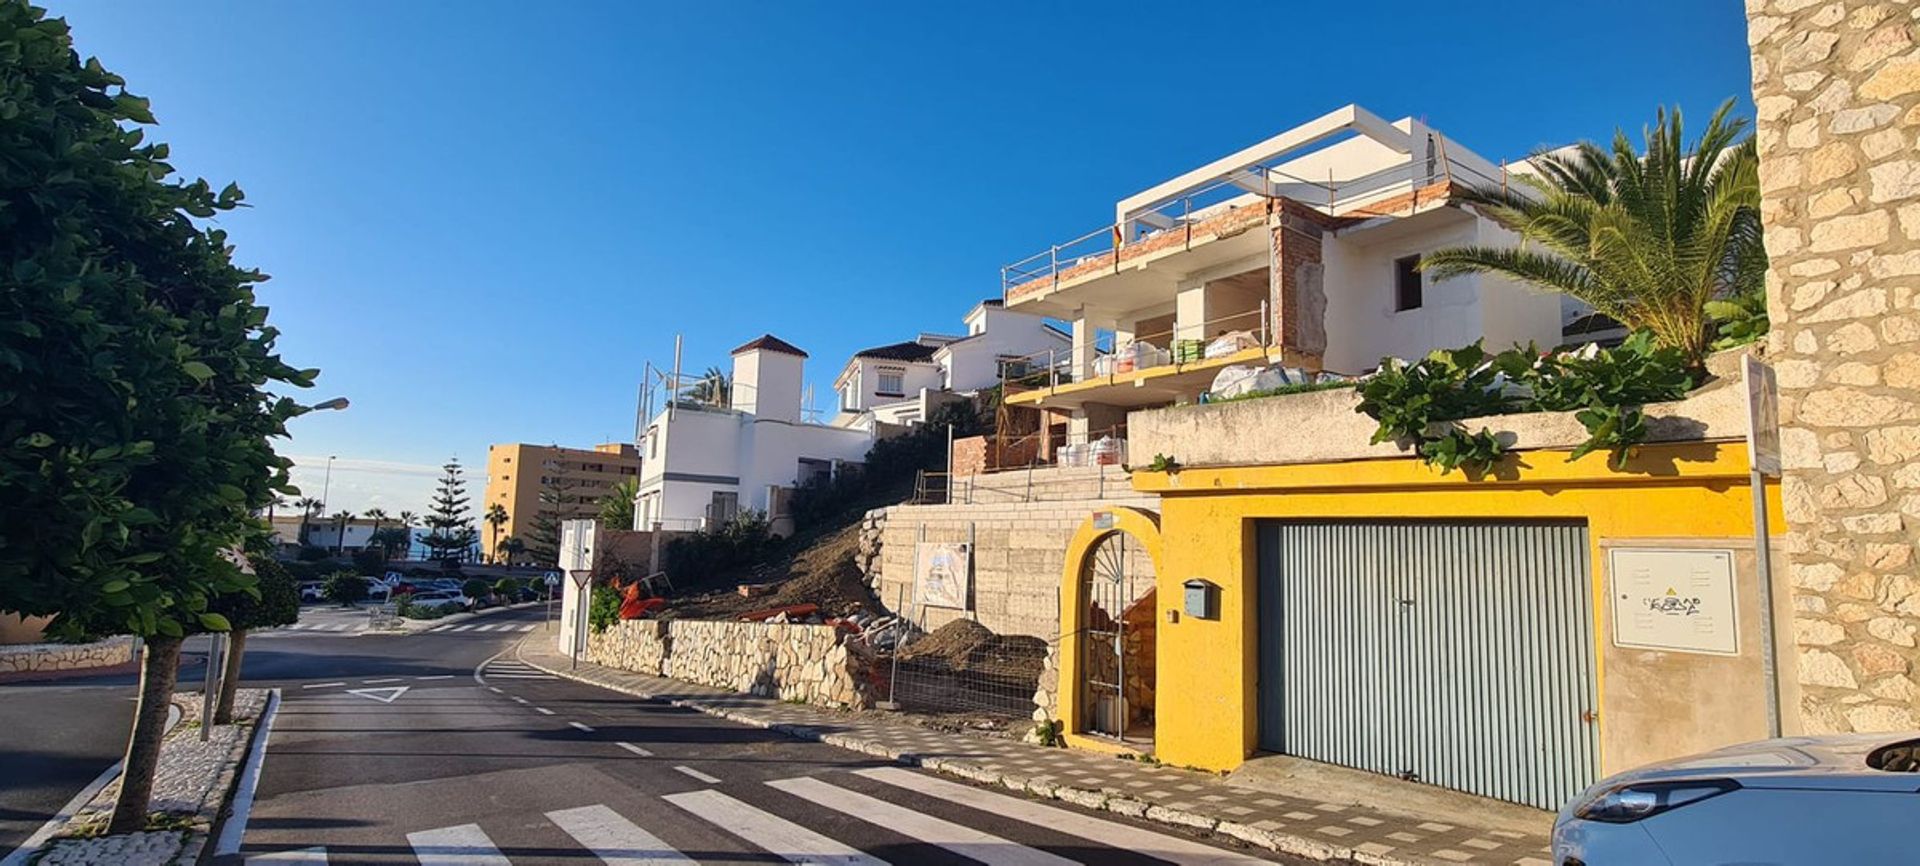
35	657
1836	89
789	661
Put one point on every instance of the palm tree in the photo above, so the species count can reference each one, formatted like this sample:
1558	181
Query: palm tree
496	517
715	388
513	547
1647	239
616	508
308	506
378	516
341	518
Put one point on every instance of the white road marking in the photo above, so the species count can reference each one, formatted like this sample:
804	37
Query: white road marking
527	627
462	628
302	855
496	690
236	824
579	727
465	845
436	677
500	676
382	680
698	775
787	840
635	749
543	711
384	694
614	839
323	685
1126	837
964	841
516	698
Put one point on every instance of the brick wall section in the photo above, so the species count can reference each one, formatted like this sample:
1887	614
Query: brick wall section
1300	305
1837	91
1019	551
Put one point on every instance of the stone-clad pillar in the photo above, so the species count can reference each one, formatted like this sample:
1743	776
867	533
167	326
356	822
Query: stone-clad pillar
1836	86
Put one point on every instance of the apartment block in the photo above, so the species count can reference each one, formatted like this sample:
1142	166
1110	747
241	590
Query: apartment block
578	478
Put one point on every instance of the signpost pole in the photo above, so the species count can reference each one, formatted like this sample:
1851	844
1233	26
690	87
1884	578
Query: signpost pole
211	686
1763	459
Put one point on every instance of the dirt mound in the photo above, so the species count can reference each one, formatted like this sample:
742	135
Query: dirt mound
965	645
821	573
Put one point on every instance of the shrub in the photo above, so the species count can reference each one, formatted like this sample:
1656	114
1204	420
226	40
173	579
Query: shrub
603	607
369	560
1423	403
507	588
345	587
694	558
314	554
475	588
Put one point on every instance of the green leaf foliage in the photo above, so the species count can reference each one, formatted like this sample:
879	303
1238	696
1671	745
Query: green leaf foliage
344	587
1422	404
135	365
274	601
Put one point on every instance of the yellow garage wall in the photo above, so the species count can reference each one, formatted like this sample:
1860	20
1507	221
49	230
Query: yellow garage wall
1206	712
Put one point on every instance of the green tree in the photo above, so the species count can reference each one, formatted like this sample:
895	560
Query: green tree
1647	238
341	519
496	518
135	416
616	508
277	604
475	589
450	531
513	547
507	588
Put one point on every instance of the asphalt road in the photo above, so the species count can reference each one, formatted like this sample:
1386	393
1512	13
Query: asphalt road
440	748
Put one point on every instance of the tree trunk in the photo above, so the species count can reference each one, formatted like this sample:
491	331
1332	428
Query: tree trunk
159	668
230	676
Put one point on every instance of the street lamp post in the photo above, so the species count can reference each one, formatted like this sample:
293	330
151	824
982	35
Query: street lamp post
326	487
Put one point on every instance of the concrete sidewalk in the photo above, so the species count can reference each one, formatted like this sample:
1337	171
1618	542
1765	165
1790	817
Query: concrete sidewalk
1338	831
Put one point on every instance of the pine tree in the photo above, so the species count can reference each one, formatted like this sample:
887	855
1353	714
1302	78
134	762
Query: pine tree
557	502
450	532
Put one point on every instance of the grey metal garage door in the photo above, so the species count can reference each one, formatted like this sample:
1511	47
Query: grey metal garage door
1459	654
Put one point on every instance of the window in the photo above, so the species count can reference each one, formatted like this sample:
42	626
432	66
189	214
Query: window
724	508
1406	284
892	383
652	441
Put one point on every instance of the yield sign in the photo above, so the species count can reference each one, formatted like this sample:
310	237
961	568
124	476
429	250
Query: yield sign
384	696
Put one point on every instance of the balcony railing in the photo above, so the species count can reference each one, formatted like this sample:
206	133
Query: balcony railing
1182	345
1190	214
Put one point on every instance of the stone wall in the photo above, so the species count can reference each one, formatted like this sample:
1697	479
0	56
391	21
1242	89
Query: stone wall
1020	550
35	657
789	661
1837	89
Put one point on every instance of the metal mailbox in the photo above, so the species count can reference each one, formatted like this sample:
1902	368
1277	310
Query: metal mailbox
1203	599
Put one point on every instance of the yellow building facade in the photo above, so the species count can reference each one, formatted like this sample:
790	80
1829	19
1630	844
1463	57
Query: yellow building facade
1644	704
578	478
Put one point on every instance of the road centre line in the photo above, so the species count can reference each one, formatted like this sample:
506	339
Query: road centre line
323	685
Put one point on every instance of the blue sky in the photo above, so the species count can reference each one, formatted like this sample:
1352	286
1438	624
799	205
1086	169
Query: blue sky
482	217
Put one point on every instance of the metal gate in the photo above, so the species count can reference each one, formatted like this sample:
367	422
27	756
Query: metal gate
1454	653
1116	661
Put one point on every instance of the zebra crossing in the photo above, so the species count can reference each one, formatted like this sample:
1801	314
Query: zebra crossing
496	628
605	833
511	669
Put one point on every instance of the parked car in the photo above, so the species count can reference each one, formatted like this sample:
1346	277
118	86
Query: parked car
312	590
442	597
1797	800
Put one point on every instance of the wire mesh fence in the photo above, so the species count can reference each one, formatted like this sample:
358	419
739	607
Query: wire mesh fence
960	668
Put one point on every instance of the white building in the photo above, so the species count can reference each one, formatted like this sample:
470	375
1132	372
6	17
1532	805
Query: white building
903	383
701	465
1298	251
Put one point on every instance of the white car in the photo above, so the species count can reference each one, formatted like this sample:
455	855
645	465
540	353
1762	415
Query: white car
1851	798
441	597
